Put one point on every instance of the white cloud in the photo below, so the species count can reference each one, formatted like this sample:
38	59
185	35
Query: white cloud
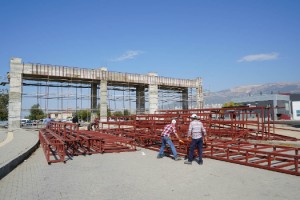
128	55
259	57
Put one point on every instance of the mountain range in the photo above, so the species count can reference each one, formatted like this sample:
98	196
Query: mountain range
249	90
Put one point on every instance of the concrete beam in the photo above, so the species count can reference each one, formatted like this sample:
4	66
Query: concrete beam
199	93
20	71
140	99
103	101
15	94
93	101
185	99
153	98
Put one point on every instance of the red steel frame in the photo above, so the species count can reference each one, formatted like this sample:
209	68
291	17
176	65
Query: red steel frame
229	132
52	145
275	158
59	140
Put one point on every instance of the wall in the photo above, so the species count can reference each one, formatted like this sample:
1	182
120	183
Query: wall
296	110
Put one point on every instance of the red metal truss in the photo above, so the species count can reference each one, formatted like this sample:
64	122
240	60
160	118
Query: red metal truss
52	145
228	129
271	157
62	140
229	132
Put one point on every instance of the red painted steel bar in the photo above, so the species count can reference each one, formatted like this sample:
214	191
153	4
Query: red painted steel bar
53	146
65	139
256	155
228	131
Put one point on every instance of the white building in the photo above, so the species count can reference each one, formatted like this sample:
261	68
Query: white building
280	104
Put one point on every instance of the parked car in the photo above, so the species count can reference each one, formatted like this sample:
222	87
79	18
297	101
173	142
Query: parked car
66	120
24	122
29	123
4	124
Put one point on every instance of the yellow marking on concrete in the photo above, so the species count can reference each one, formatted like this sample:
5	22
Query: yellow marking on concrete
9	138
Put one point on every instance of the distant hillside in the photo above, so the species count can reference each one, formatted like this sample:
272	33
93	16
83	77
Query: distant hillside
241	91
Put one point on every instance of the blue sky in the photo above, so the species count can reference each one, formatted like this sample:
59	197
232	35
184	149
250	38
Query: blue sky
227	43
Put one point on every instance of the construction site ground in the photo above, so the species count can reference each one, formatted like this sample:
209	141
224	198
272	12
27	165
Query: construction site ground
134	175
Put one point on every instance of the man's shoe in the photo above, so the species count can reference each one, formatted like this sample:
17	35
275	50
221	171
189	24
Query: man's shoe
177	158
188	162
160	156
200	162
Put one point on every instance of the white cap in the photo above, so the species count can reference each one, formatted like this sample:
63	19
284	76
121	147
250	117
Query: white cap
194	116
173	121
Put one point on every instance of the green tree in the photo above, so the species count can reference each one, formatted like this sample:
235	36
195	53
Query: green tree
108	112
98	109
84	114
36	113
118	113
126	112
4	97
230	104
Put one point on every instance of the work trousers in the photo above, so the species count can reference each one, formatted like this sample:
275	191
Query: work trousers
196	143
166	140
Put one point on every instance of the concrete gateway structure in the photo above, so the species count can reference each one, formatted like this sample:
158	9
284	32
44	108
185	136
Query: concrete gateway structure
97	78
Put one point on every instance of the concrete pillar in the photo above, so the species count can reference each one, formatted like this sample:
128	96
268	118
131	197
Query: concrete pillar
103	101
93	101
153	98
275	106
15	94
185	99
140	99
199	93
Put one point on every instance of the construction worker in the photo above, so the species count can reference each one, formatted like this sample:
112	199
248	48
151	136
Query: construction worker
165	139
75	119
94	125
197	132
47	120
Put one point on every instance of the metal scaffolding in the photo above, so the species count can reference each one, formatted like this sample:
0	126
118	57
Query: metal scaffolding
67	96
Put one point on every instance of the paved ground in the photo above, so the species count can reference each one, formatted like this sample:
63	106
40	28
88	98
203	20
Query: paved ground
138	175
3	134
15	147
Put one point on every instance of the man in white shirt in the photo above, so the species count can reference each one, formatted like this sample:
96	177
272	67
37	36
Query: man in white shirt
47	120
197	132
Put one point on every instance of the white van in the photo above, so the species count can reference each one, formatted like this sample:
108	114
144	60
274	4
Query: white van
24	122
